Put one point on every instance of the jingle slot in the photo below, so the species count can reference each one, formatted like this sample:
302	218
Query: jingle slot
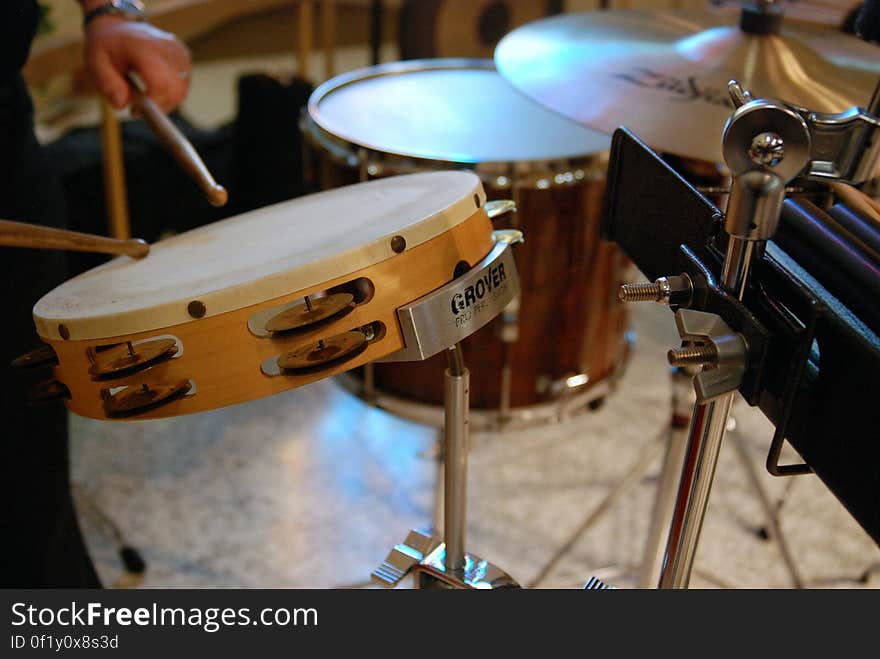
131	400
118	360
361	288
315	310
325	353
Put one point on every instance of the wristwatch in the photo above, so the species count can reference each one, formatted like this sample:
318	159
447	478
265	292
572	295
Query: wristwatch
132	10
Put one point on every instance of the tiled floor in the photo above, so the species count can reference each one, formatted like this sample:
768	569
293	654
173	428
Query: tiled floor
312	487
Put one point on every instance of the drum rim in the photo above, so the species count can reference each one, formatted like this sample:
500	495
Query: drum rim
355	152
106	322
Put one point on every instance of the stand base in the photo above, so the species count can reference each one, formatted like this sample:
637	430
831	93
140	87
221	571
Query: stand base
424	555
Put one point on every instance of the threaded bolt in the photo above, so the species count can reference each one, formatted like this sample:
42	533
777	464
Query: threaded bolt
641	292
695	355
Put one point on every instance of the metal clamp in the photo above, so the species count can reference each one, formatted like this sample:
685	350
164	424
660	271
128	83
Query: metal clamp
424	556
403	558
709	341
455	311
816	145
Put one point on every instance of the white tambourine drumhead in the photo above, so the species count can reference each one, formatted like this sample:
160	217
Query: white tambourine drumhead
259	255
452	110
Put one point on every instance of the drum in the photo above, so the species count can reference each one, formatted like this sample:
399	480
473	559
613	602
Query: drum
560	346
266	301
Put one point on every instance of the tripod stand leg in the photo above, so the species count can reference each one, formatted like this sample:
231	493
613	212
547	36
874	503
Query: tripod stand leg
769	511
632	477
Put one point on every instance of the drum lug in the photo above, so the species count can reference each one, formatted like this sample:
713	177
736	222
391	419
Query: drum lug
547	386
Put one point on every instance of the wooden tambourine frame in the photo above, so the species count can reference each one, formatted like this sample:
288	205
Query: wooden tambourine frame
222	361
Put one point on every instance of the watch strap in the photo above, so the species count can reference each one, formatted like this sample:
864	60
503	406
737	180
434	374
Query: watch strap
112	9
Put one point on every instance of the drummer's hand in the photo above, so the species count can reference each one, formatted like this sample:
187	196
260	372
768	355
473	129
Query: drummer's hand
115	46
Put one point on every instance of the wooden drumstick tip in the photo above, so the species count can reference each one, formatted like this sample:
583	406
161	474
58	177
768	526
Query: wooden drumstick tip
137	248
217	195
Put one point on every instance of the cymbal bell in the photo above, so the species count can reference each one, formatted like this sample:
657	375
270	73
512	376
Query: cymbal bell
664	74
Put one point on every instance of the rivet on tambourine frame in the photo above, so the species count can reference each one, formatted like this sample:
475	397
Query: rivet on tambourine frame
398	244
196	309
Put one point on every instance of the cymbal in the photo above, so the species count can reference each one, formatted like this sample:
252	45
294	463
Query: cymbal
138	397
323	353
125	358
664	74
305	315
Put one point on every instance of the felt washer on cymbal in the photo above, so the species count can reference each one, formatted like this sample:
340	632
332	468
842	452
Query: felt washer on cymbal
315	311
328	351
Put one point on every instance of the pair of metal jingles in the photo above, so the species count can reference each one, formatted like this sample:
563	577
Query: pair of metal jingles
767	144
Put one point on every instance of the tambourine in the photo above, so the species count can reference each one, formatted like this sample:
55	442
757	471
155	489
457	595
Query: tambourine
279	297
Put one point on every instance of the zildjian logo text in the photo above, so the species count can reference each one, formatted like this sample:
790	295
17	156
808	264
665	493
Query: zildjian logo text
686	89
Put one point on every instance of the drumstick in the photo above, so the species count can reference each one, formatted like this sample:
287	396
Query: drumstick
20	234
858	200
180	147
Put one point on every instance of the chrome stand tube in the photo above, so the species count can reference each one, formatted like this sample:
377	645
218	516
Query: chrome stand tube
437	521
739	258
761	204
667	483
701	457
456	391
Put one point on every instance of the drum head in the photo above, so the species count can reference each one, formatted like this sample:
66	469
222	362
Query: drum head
258	256
452	110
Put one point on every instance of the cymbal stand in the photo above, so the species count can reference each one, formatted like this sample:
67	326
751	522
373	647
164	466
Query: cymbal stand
766	144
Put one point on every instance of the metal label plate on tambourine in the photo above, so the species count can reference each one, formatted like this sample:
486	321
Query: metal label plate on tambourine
453	312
